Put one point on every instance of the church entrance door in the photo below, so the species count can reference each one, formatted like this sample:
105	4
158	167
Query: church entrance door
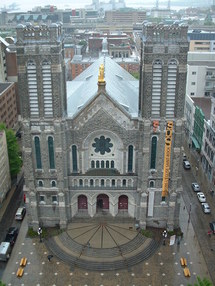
123	203
102	202
82	202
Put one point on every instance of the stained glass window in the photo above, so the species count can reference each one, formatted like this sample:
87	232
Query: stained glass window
130	158
37	152
102	145
153	152
74	159
51	152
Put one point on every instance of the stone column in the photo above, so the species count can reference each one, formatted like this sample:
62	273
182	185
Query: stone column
143	209
62	210
171	212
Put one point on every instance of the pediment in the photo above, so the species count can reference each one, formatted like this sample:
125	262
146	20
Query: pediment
105	107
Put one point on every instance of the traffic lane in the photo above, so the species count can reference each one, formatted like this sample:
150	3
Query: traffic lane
200	221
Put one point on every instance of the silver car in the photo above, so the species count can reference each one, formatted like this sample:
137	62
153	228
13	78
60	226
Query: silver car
206	209
195	187
201	197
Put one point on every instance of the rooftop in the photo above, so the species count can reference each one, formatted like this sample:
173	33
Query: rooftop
121	86
205	105
4	86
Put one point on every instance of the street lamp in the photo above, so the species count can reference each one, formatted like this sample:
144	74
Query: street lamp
40	231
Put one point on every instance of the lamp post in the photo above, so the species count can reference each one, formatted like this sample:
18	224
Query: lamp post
40	231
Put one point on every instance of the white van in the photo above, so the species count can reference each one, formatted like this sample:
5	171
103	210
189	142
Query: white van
5	251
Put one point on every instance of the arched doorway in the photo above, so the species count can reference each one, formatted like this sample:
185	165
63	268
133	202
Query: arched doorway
123	203
82	202
102	202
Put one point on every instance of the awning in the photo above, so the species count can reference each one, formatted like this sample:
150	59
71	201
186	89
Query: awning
195	142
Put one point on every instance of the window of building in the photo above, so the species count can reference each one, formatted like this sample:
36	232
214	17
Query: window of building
32	88
207	93
74	159
171	88
124	182
40	183
47	89
107	164
42	199
193	73
51	152
53	184
151	184
153	152
102	164
37	152
130	158
102	182
97	164
193	83
113	183
112	164
192	93
54	199
80	182
156	87
91	182
92	164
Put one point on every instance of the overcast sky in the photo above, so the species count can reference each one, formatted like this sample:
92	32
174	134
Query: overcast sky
25	5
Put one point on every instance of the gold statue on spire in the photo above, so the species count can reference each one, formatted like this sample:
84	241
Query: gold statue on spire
101	74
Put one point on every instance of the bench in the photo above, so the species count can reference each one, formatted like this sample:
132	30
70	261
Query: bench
23	261
20	272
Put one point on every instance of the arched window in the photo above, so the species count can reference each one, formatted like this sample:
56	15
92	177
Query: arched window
102	182
107	164
112	164
40	183
47	89
80	182
156	87
74	159
124	182
130	158
153	152
102	164
91	182
151	184
92	164
53	183
32	88
97	164
37	152
171	88
113	183
51	152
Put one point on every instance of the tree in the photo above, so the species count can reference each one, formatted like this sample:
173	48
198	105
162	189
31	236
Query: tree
2	284
15	161
202	282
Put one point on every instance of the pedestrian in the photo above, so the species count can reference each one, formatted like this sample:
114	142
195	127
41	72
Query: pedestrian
50	256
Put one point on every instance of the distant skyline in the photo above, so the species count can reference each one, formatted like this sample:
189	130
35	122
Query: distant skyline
25	5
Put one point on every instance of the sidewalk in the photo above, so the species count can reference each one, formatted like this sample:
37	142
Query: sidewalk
162	269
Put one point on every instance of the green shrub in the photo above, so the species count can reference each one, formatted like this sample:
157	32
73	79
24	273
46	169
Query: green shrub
146	233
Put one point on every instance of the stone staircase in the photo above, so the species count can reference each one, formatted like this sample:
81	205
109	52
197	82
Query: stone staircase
100	259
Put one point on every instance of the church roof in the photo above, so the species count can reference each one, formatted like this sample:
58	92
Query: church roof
121	86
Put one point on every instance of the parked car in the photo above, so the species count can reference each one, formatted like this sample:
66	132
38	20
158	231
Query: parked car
184	157
195	187
201	197
212	226
206	208
5	251
186	165
11	235
20	213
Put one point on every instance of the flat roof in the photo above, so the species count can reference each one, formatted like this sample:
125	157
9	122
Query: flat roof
4	86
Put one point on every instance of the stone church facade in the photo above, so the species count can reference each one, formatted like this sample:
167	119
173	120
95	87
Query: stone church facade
97	147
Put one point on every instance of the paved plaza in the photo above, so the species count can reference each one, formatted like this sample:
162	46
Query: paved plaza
162	268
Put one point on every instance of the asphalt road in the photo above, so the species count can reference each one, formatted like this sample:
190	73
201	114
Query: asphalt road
200	220
8	217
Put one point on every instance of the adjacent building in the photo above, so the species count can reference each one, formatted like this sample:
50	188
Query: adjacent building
95	145
5	181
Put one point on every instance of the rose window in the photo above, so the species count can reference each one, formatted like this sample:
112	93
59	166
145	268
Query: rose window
102	145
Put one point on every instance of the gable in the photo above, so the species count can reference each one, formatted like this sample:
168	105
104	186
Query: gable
105	109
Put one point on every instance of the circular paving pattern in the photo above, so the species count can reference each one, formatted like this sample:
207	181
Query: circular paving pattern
102	246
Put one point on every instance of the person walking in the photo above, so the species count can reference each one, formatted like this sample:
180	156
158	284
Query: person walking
50	256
